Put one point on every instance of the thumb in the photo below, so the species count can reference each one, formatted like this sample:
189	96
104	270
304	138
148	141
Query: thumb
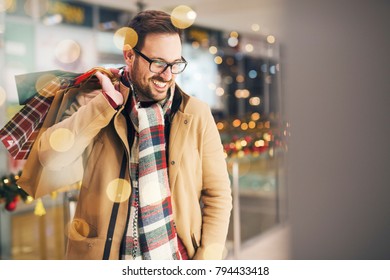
114	71
104	81
99	75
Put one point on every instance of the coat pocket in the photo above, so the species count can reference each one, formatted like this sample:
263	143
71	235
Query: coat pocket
86	249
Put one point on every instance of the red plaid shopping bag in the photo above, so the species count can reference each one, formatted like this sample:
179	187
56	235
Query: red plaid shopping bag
19	134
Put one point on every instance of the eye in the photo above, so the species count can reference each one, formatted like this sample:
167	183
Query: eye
159	63
178	67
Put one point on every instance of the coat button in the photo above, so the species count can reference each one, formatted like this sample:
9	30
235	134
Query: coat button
185	121
173	162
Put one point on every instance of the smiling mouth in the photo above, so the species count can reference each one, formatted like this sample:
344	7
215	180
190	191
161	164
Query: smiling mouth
159	84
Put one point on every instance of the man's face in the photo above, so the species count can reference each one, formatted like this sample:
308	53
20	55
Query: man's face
151	86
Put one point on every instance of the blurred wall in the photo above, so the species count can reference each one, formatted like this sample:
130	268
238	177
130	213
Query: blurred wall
337	88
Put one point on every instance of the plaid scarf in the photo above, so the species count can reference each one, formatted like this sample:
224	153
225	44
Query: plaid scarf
151	232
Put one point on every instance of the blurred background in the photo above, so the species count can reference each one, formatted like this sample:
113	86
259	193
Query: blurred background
300	94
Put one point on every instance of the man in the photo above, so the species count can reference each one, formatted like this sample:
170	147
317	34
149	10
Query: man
154	183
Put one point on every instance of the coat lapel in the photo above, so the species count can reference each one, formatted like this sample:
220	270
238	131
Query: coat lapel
120	121
179	132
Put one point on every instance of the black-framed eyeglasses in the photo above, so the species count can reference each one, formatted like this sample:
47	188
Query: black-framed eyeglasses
159	66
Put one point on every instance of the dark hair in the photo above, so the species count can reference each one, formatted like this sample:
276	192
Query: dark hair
151	21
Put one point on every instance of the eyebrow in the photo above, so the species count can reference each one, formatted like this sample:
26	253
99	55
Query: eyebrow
176	60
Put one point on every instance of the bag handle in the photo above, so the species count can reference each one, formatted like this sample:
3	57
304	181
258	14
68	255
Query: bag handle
85	76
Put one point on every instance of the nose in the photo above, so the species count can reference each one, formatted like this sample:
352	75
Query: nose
167	74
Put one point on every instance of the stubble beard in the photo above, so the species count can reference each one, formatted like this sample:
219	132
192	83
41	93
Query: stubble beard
144	92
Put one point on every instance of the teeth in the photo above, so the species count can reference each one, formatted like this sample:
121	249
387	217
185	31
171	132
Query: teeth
159	84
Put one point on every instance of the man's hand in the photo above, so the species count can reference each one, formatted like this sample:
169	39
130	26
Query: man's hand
108	88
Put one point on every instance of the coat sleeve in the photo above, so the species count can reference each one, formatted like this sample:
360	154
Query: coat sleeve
63	144
216	194
57	159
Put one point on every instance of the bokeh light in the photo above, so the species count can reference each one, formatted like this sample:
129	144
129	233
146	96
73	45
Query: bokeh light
233	42
125	38
240	79
42	81
6	4
118	190
77	230
191	15
271	39
220	91
259	143
67	51
234	34
29	200
249	47
213	50
244	126
240	154
195	45
183	16
218	60
252	74
272	69
245	93
242	93
61	140
236	123
254	101
220	125
255	27
255	116
267	137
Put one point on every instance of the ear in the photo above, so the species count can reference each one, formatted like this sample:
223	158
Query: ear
128	55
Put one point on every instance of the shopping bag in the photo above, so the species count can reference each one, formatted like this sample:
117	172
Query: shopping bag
20	133
28	85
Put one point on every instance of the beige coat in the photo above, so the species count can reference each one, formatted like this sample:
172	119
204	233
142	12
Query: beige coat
92	143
